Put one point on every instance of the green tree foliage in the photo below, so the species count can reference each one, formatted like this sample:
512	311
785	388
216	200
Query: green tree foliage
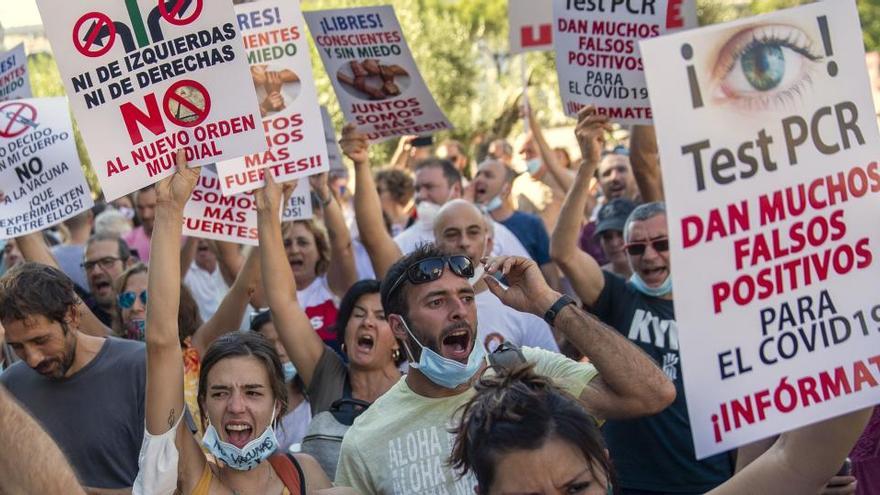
869	14
45	82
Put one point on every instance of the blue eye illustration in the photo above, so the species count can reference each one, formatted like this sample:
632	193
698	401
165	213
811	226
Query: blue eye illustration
764	67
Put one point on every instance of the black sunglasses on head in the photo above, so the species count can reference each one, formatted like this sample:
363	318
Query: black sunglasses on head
430	269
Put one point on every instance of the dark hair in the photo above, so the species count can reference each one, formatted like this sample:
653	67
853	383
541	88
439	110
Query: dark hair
244	344
396	303
518	409
399	184
452	175
260	318
31	289
124	251
188	317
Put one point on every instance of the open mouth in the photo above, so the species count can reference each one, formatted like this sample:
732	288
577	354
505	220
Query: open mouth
103	286
479	191
654	274
456	344
296	264
238	434
366	343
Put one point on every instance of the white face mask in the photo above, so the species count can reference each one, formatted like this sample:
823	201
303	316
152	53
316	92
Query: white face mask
247	457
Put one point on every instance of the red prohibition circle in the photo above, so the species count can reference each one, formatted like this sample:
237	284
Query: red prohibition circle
13	111
201	113
86	47
178	6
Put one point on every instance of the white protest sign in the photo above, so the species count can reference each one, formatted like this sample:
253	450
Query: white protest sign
531	25
334	154
769	147
14	82
597	52
300	205
146	77
211	215
41	181
277	49
375	78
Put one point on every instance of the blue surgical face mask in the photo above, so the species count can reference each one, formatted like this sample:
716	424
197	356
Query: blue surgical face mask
289	371
533	165
493	204
443	371
247	457
640	285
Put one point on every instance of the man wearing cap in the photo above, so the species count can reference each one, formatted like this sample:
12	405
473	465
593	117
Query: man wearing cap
609	232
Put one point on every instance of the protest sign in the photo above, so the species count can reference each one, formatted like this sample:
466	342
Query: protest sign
375	78
209	214
147	77
41	181
278	52
598	57
334	154
531	25
300	205
14	84
769	149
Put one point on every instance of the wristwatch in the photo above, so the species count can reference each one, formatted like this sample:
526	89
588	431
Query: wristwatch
563	301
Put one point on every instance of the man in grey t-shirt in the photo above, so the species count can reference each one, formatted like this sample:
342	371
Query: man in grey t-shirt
87	392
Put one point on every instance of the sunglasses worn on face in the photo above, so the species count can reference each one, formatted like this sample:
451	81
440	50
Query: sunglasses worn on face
430	269
638	248
126	299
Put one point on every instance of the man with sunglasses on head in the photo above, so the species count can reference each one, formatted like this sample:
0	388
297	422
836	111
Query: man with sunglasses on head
652	455
86	391
402	442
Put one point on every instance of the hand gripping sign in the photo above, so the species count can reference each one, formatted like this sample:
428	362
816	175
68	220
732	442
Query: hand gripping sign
375	78
14	83
280	68
146	77
769	147
41	182
597	52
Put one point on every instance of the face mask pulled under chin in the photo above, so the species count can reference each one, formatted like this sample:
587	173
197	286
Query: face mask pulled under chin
247	457
446	372
493	204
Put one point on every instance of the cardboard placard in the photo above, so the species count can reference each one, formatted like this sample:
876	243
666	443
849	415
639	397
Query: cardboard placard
41	181
597	52
277	48
147	77
531	25
769	147
14	83
375	78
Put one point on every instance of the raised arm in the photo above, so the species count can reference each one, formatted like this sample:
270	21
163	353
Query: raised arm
230	259
582	270
629	383
802	460
645	161
164	356
562	179
377	241
33	463
343	271
33	247
300	341
231	309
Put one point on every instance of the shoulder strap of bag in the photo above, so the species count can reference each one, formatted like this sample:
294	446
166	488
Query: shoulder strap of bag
290	472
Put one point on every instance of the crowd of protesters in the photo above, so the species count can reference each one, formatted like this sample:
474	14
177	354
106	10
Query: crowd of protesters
431	333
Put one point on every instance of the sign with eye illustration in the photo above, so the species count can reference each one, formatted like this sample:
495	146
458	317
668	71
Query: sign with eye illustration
374	76
597	52
277	48
769	147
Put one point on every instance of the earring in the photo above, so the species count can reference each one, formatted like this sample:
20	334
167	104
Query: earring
395	355
342	346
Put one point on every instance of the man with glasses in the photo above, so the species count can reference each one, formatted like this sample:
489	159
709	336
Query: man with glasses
107	256
640	308
86	391
402	442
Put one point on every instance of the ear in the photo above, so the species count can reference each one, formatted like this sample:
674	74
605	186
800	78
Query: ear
456	191
490	246
73	316
396	323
